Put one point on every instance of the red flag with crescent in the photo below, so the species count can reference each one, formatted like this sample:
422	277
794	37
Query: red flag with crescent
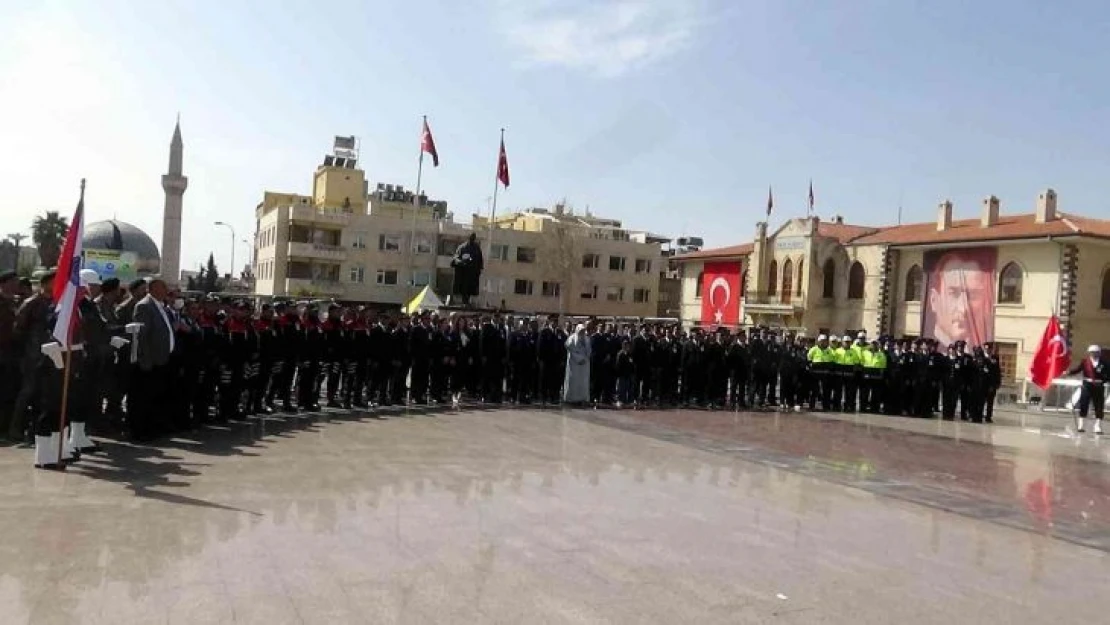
1051	359
720	296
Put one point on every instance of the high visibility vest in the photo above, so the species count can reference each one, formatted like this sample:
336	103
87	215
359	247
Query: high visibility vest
875	360
816	354
849	357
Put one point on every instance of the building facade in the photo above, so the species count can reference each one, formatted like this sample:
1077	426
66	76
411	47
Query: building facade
381	247
995	278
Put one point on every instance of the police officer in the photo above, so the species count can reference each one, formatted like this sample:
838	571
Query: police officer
739	371
420	340
1093	391
310	355
820	358
990	379
550	350
31	330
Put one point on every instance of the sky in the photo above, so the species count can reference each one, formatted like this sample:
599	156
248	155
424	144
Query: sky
675	116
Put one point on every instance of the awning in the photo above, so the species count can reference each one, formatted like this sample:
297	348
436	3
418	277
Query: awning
426	299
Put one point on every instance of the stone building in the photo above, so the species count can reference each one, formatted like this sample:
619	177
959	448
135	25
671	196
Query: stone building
381	247
997	277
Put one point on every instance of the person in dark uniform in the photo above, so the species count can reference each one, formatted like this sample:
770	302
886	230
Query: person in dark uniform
211	340
333	357
234	358
549	351
469	366
286	342
440	359
952	382
598	354
381	362
716	370
787	374
772	343
522	358
9	352
643	347
31	330
739	371
757	352
51	372
265	332
84	400
965	381
356	376
493	349
1093	391
693	380
400	361
990	379
310	356
186	365
420	341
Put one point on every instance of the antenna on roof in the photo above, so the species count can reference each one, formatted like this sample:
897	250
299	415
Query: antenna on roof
899	207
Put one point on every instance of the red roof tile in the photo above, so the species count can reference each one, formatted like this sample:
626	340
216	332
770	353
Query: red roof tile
843	232
970	231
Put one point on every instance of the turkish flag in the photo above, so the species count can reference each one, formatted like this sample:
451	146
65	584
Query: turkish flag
720	296
1051	359
503	165
428	144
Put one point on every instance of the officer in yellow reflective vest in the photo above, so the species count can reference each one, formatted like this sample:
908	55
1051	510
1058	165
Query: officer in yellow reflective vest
873	384
849	358
819	357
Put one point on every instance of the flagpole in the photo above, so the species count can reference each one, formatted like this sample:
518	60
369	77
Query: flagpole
415	210
493	206
66	366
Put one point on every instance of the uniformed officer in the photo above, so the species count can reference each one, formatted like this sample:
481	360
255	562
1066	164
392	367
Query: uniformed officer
550	351
420	340
739	367
990	379
1093	391
310	355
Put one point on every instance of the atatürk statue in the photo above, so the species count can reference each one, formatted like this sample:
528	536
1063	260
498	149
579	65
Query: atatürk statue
468	266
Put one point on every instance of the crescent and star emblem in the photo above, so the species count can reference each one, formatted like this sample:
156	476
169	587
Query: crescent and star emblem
719	283
1057	347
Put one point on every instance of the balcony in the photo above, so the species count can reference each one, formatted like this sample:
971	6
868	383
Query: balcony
773	304
309	287
329	216
318	251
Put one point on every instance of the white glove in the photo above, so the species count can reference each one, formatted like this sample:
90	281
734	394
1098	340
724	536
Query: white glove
118	342
54	352
133	328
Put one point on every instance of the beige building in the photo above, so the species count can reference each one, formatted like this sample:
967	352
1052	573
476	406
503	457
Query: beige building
346	242
996	277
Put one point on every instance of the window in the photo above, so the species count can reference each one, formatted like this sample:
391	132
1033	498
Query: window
801	274
773	278
422	245
855	281
614	294
1105	299
591	261
358	241
915	281
616	263
787	278
495	285
643	265
389	243
1009	284
522	287
499	252
387	277
664	297
698	284
589	291
1007	361
421	277
358	273
828	280
550	289
641	296
525	254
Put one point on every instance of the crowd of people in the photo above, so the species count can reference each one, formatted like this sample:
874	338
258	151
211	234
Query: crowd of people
149	362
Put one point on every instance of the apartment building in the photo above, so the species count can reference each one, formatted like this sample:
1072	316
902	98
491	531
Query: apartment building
381	246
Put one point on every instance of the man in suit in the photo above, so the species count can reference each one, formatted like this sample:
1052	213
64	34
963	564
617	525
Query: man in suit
148	383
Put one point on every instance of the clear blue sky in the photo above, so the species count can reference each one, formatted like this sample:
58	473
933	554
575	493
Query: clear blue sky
673	115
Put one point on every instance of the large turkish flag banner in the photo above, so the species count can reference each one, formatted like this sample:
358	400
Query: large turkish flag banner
720	296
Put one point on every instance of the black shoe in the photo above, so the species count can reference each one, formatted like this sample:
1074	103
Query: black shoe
91	449
51	466
334	404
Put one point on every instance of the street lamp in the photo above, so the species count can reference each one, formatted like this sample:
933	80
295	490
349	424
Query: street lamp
228	226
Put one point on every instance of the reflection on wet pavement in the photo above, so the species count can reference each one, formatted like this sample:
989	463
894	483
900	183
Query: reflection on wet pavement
530	516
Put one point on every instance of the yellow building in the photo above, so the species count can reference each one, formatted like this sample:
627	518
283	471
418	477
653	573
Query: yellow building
346	242
998	277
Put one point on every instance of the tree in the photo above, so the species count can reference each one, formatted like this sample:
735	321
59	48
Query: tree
48	233
210	280
561	257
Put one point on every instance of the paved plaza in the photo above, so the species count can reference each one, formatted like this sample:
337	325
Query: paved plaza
566	516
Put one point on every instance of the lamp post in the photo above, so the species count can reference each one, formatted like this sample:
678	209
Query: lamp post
229	227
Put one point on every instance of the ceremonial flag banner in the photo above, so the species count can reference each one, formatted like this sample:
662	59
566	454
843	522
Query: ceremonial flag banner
428	144
770	201
811	197
720	297
503	166
66	281
1051	359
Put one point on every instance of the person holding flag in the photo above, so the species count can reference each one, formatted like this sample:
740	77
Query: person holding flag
1095	376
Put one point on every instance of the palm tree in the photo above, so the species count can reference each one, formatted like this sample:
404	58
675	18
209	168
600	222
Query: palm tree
48	232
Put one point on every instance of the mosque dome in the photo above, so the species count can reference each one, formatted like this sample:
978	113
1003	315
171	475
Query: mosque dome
123	237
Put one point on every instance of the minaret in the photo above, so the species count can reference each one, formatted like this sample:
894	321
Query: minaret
174	184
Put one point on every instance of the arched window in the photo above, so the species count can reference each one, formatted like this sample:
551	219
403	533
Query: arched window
698	285
1009	284
914	283
787	280
828	280
773	278
855	281
801	274
1105	299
